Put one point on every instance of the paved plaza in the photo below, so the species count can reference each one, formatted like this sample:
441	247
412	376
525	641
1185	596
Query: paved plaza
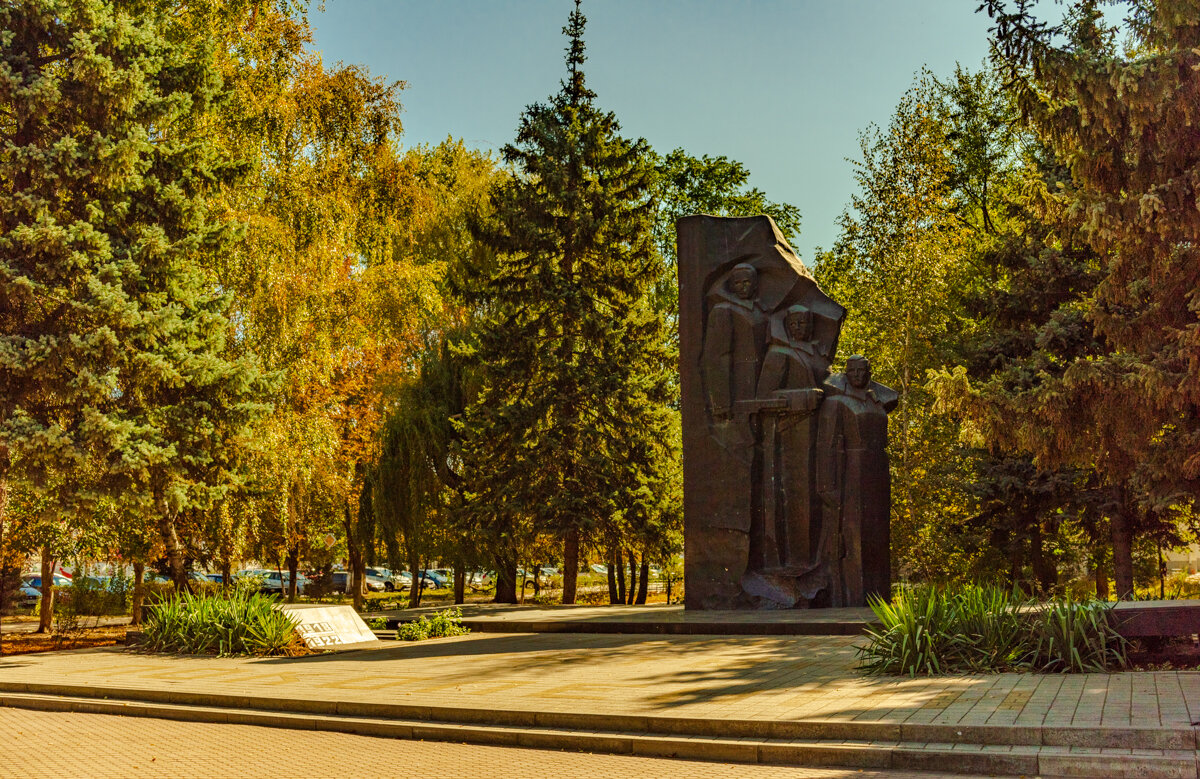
740	678
98	746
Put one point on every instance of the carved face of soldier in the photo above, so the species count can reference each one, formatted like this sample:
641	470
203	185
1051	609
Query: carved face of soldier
799	325
858	372
743	282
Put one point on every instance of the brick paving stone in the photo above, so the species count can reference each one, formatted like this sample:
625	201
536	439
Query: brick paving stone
99	746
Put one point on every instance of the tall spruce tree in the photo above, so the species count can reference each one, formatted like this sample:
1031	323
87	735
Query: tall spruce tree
571	424
1126	126
113	340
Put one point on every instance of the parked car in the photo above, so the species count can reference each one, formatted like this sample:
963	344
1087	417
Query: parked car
27	594
438	581
274	582
36	581
341	580
391	582
597	568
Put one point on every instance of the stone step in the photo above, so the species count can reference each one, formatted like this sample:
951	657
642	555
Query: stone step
1161	737
962	758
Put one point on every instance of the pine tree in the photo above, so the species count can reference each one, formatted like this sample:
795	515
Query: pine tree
571	425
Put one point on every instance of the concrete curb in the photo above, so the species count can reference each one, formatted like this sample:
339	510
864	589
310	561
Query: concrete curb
1053	761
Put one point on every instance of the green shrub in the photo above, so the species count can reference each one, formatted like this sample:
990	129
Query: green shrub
915	635
1072	637
443	623
88	597
592	598
234	623
987	629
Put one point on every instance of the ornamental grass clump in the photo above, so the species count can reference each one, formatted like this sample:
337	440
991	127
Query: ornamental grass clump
930	631
1072	637
236	623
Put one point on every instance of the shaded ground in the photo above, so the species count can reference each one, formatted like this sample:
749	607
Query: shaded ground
1165	654
28	642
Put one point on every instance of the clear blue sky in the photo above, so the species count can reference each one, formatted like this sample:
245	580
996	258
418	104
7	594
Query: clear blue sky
784	86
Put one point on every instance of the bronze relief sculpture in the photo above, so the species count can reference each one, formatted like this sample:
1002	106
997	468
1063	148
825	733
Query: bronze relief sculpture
786	494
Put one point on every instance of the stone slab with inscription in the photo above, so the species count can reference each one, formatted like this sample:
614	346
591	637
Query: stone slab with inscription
330	628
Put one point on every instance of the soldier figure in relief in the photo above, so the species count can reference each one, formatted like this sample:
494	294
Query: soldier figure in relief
855	485
793	370
734	342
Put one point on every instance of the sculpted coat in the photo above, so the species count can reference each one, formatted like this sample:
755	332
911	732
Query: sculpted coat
794	370
734	342
855	485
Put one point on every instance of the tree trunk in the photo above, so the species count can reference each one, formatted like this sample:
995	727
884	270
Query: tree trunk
1122	545
354	561
570	566
1014	565
1162	574
139	594
460	582
633	578
293	563
1100	570
619	565
418	583
612	577
506	581
359	573
46	607
226	572
166	528
1043	566
3	517
643	581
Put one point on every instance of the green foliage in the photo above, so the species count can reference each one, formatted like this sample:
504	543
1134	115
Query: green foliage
570	434
899	267
222	624
88	597
119	371
1072	637
932	631
441	624
686	185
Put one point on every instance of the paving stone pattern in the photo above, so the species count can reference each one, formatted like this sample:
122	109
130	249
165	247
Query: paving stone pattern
768	678
97	746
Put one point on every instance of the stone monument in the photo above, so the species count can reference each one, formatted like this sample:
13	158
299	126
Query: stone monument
786	493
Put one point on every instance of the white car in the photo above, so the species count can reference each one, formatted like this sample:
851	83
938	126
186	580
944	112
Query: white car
274	582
